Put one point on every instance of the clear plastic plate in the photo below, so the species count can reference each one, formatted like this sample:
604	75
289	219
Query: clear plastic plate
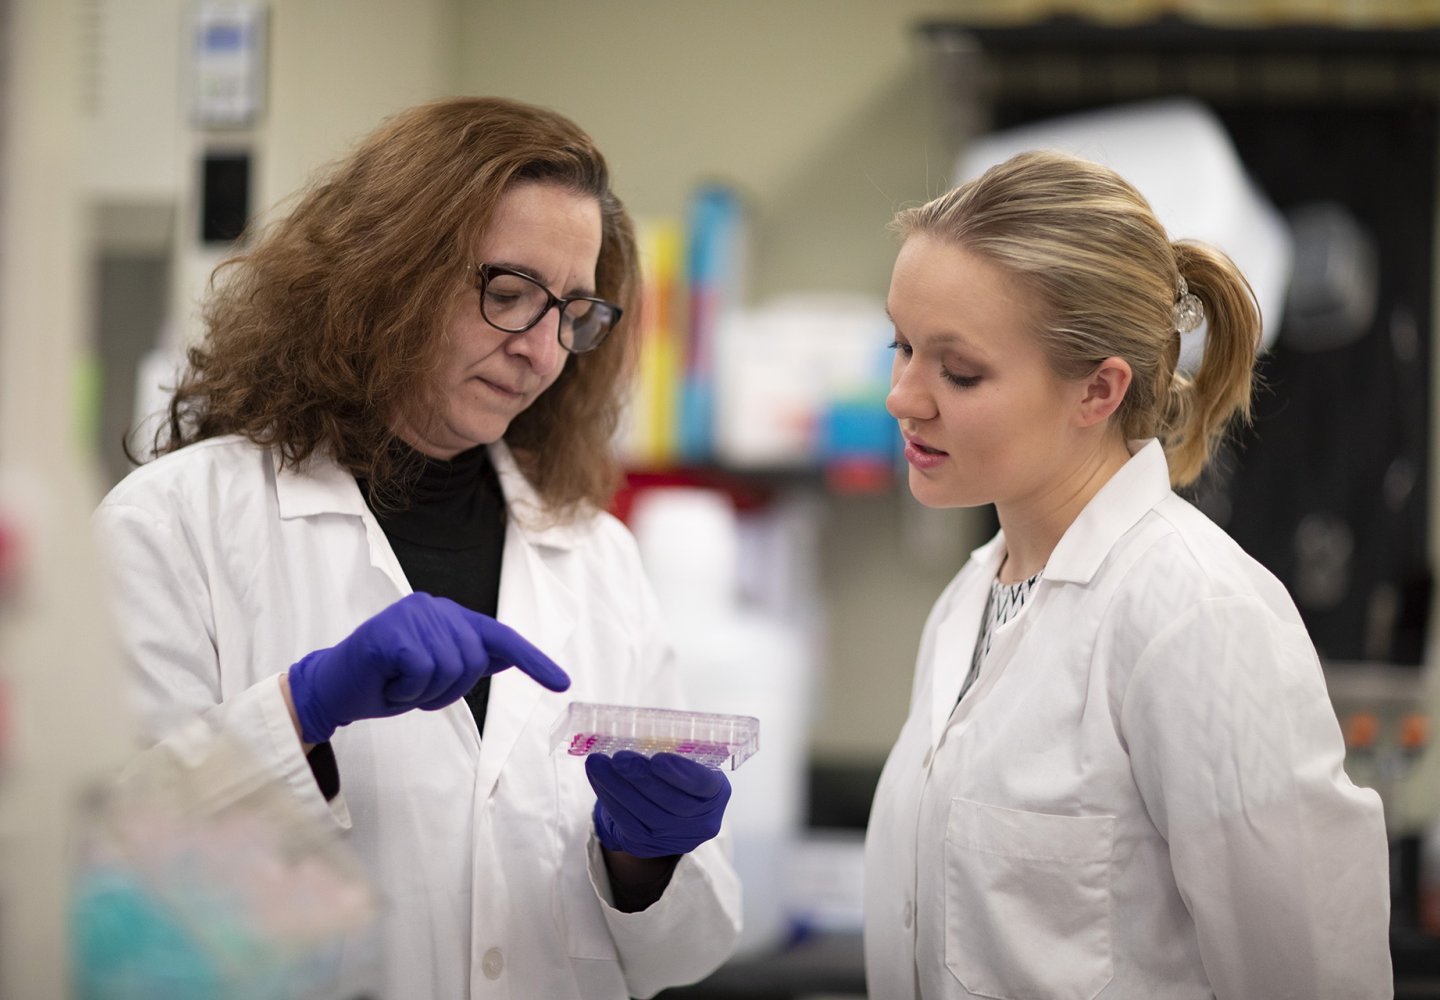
712	739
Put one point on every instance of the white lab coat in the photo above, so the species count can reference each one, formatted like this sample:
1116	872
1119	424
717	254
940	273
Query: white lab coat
1141	798
226	569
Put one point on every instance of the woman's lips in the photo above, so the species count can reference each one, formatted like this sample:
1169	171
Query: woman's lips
503	390
921	455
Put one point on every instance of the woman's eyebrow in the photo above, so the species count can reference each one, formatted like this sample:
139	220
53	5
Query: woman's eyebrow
530	272
943	339
524	269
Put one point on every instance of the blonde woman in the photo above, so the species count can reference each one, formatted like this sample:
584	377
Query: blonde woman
1121	777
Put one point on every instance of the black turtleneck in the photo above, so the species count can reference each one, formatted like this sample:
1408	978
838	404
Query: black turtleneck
448	535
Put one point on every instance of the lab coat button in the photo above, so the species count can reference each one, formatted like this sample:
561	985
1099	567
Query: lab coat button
909	914
929	756
492	964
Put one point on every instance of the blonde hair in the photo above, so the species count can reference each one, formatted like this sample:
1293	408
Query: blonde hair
1108	275
334	321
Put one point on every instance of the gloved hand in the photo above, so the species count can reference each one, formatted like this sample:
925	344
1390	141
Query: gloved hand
657	806
420	652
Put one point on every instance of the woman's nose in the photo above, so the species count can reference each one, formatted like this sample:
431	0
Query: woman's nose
907	398
540	344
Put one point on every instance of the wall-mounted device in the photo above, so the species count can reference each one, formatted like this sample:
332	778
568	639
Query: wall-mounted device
227	63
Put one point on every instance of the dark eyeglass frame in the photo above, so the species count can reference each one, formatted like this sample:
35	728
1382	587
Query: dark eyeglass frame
488	271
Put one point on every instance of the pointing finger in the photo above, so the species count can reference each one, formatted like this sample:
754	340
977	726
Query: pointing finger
507	647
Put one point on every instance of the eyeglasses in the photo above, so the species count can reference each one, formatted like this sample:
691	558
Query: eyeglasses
515	302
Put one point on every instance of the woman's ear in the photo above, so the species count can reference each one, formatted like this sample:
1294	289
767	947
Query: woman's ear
1105	389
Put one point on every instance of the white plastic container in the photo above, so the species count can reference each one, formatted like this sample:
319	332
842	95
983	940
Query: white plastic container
737	657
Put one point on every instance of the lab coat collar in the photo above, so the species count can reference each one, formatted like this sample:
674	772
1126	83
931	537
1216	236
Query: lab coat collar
527	510
1136	488
987	557
318	486
1131	493
321	486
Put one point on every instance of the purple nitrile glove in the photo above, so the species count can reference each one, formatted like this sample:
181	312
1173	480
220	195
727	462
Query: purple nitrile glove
653	807
420	652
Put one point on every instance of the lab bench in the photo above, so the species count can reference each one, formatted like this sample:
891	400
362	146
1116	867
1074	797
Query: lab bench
1416	958
828	965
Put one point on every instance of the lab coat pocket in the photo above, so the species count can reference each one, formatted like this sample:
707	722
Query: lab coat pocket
593	960
577	903
1027	902
586	934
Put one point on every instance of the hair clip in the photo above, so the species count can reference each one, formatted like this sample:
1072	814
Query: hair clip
1188	313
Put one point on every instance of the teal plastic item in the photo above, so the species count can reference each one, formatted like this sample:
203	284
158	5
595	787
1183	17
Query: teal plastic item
128	945
715	257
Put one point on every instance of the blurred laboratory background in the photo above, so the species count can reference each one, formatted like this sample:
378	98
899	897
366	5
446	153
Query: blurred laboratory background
762	145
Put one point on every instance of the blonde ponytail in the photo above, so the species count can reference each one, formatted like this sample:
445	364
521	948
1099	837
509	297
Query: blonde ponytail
1197	410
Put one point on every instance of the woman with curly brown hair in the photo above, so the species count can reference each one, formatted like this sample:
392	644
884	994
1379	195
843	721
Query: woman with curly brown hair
382	482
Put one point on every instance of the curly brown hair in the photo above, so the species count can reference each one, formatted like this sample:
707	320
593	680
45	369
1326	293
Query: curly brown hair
327	328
